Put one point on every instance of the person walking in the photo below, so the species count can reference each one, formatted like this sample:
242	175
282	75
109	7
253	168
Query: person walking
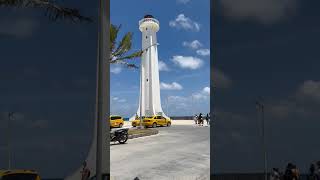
288	172
85	173
207	119
195	118
312	172
275	175
200	119
295	173
317	172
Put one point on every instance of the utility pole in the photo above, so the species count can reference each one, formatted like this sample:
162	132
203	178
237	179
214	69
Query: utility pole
168	106
260	108
140	115
10	115
102	85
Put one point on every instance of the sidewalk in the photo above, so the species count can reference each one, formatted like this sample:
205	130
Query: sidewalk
127	124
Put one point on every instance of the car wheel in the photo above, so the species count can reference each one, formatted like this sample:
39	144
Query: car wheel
120	125
168	124
154	125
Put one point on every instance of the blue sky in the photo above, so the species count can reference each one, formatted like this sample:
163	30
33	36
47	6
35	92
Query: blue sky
184	39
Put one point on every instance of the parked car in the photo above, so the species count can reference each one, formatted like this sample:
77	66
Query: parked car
116	121
136	122
155	121
19	174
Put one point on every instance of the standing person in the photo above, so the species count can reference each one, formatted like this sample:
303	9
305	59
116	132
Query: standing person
85	173
288	172
295	172
199	119
195	118
317	172
312	172
275	175
207	119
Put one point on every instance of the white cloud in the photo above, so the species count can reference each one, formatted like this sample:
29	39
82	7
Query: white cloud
179	103
18	27
115	69
177	99
172	86
39	124
220	79
204	94
206	90
263	11
309	89
193	44
163	66
203	52
187	62
116	99
183	22
183	1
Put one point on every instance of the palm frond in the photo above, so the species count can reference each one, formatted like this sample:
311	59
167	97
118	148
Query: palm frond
113	36
129	65
131	56
52	10
124	45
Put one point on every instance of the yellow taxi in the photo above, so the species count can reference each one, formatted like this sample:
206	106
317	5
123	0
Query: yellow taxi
19	174
116	121
136	122
155	121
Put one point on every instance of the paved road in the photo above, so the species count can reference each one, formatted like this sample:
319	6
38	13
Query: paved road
177	152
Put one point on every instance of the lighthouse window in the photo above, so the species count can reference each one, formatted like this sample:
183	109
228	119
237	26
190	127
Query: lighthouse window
146	37
146	28
147	80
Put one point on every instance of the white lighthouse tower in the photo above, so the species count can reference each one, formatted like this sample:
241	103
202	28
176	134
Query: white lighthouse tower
149	100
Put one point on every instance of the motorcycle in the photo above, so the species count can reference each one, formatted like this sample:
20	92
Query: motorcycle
120	135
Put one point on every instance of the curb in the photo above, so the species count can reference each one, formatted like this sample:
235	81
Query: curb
143	135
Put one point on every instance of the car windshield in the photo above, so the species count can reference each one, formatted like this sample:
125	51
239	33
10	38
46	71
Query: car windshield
139	117
149	116
20	176
115	117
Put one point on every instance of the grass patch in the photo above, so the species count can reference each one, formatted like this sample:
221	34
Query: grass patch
141	131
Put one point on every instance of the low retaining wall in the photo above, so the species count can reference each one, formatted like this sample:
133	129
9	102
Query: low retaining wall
173	118
150	133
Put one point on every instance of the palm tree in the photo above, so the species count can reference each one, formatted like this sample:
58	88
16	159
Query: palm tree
119	51
52	10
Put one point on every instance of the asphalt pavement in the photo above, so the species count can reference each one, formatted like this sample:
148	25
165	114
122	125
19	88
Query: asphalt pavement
179	152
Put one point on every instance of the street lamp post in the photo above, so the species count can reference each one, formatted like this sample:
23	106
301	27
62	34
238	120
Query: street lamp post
168	106
140	115
10	115
260	106
140	127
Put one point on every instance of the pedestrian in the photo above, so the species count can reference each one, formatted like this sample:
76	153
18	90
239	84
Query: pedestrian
317	172
295	172
207	119
275	175
288	175
195	118
85	173
200	119
312	172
